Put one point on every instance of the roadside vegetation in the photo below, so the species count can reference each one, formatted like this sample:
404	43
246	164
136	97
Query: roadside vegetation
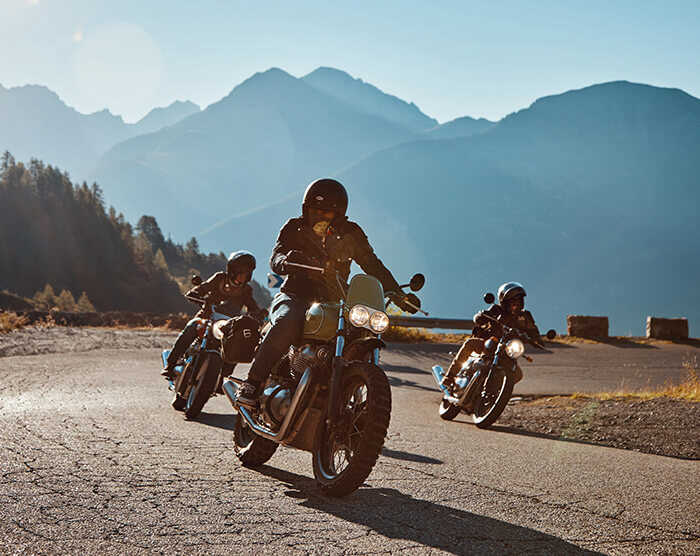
11	321
688	390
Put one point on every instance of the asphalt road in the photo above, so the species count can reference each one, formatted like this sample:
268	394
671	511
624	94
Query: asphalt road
94	460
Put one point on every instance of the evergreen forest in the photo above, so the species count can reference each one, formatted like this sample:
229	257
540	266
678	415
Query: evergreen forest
58	236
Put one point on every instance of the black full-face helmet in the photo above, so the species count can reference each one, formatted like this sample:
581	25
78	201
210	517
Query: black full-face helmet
328	195
509	293
240	262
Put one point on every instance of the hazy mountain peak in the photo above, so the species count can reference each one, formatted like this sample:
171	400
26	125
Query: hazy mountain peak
161	117
459	127
368	98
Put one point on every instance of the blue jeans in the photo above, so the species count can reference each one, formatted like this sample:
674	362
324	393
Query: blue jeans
186	337
287	316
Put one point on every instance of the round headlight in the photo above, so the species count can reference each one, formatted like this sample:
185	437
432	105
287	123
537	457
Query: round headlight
359	315
515	348
379	322
217	330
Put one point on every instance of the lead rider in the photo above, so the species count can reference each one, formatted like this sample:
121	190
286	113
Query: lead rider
322	237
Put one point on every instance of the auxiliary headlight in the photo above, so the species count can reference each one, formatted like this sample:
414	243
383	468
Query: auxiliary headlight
359	315
379	322
514	349
217	330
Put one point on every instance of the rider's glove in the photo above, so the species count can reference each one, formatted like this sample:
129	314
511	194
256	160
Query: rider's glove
480	319
411	298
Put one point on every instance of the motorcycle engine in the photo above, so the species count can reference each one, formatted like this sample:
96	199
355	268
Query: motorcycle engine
276	398
274	402
305	356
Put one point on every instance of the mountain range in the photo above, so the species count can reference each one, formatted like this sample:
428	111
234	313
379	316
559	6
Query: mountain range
36	123
588	197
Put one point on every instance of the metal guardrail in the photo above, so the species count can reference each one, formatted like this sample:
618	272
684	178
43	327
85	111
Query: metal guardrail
429	322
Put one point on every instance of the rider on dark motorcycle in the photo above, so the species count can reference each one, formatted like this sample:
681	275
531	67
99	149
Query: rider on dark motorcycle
229	291
510	310
321	237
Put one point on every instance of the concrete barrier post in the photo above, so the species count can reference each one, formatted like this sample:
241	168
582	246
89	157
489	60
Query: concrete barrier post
587	327
667	329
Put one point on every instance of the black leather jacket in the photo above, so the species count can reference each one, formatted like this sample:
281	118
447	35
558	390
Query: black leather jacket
524	321
228	298
342	244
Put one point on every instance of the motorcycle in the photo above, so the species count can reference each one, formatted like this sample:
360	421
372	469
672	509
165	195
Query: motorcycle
483	386
201	371
327	395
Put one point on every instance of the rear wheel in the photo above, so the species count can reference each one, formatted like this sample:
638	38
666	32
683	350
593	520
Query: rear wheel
203	388
345	456
448	411
495	395
251	449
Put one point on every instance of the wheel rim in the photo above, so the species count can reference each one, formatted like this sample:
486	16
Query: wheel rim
341	444
195	387
246	435
489	396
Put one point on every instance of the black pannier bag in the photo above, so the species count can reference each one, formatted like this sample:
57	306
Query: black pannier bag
241	337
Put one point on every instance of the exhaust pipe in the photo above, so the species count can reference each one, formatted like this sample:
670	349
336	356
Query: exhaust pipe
230	388
439	373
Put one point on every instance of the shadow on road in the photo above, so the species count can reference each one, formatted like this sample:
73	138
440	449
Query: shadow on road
402	382
396	515
407	456
219	420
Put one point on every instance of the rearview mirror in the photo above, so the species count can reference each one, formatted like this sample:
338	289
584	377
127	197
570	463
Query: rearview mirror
196	280
489	298
551	334
417	282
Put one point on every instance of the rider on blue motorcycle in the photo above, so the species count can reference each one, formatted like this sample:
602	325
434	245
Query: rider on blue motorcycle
229	291
510	311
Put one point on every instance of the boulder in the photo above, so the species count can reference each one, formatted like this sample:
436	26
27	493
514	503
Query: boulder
587	327
667	329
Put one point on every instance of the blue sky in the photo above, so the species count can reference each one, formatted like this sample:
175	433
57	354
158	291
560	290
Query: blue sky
452	58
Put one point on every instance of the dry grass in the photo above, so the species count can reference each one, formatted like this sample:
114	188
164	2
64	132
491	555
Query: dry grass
688	390
11	321
404	334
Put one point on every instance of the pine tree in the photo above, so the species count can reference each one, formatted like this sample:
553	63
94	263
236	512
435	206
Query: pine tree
46	299
66	302
84	305
160	262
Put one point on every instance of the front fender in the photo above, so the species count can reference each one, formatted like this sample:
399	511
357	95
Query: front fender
357	349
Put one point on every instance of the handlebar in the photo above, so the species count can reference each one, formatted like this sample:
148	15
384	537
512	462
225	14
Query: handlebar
390	295
306	267
393	296
519	333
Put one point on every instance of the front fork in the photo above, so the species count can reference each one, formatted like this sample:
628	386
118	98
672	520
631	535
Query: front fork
337	368
336	371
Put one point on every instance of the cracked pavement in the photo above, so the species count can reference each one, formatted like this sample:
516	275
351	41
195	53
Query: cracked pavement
94	460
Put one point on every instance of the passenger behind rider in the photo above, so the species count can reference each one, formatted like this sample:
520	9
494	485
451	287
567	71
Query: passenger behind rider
229	291
510	312
323	237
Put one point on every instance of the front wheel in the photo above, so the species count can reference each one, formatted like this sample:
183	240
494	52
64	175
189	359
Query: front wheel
494	397
251	449
344	457
448	410
205	383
